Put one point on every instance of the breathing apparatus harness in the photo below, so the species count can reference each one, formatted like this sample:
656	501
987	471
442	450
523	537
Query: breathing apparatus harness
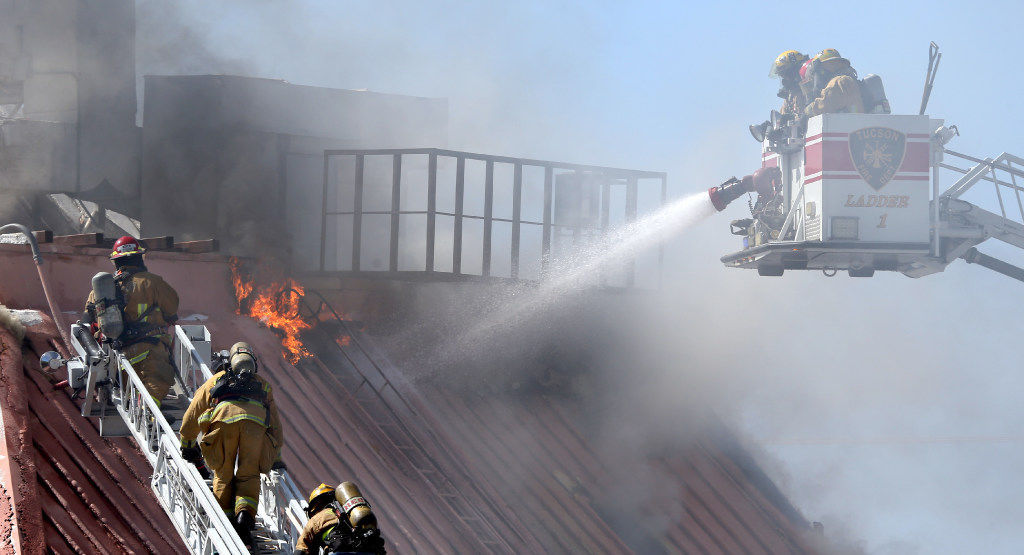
238	382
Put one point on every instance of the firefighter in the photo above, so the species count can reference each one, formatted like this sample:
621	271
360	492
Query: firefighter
242	436
835	86
326	530
786	68
148	305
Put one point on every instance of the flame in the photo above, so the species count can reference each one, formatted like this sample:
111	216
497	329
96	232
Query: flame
243	285
276	305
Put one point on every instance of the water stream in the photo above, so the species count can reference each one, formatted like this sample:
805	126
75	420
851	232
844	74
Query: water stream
581	271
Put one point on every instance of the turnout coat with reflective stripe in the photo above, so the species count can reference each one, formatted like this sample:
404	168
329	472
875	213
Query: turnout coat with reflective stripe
318	528
148	301
204	411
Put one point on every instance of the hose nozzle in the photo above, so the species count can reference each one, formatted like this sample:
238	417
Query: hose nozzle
725	193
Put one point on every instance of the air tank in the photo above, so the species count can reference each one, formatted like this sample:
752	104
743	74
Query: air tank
108	310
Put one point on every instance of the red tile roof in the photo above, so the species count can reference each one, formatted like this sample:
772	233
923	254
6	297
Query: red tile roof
81	493
444	471
524	466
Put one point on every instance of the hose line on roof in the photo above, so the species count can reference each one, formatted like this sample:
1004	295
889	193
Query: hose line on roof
58	320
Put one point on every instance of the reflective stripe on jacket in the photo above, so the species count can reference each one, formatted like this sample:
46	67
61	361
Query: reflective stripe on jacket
204	411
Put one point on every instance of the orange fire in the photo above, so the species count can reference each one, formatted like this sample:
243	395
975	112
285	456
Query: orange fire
276	305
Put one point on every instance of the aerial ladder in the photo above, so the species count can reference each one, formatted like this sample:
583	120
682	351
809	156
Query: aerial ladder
826	214
116	397
863	192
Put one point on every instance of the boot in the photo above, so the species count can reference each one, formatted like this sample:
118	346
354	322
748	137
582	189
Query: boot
245	523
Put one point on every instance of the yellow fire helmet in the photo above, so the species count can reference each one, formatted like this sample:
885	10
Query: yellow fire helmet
828	54
320	490
790	60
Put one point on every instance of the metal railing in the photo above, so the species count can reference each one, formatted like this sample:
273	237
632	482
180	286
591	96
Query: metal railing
1002	172
179	488
280	508
596	182
966	223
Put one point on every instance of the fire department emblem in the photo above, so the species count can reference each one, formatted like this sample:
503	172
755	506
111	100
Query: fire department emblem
877	153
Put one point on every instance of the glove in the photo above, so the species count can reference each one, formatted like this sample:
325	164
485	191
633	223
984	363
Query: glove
201	467
191	454
278	465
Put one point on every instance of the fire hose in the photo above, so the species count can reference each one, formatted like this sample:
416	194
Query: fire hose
58	320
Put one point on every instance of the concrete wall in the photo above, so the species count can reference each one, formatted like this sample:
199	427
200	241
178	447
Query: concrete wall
67	98
359	118
241	159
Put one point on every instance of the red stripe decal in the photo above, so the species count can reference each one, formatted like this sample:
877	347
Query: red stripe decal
836	156
895	178
916	158
812	158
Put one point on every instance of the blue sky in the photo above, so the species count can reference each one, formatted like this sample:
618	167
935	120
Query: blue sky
845	383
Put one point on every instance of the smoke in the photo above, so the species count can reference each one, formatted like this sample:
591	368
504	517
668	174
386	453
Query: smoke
569	278
640	384
840	380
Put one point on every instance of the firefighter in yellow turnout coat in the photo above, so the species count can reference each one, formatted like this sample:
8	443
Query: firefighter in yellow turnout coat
321	523
150	305
841	93
345	526
235	412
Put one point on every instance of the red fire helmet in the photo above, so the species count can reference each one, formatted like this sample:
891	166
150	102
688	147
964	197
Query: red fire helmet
126	246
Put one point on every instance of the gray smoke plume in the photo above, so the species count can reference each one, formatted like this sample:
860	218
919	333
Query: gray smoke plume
889	406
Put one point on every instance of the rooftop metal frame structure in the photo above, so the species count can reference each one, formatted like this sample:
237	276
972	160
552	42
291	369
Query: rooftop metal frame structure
609	178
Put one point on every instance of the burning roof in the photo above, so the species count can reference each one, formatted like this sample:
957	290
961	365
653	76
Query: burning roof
445	471
276	305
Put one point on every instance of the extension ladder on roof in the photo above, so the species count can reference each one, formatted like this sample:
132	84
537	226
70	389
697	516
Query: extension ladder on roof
120	402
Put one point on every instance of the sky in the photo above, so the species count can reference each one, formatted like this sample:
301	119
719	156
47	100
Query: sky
886	408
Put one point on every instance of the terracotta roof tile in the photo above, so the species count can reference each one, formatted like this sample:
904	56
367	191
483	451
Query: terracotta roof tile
93	492
445	471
